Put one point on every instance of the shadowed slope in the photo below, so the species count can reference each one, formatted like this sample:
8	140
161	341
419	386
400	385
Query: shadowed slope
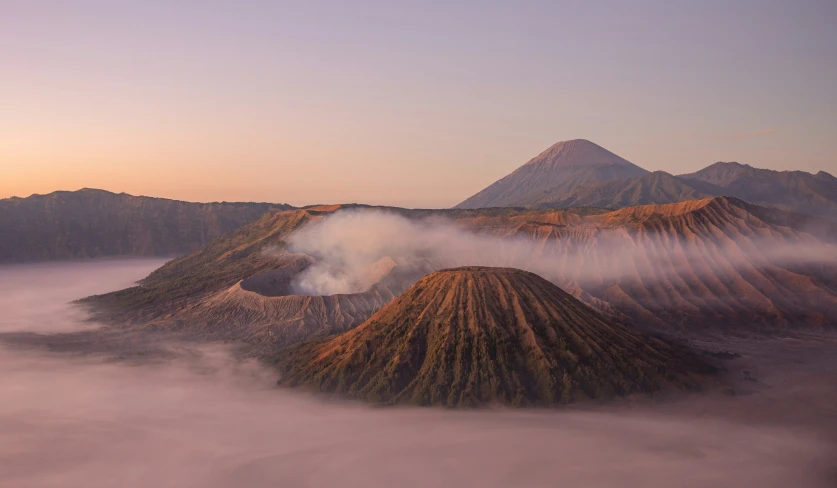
469	336
557	170
93	223
717	262
653	188
798	191
266	311
257	248
685	267
250	250
579	173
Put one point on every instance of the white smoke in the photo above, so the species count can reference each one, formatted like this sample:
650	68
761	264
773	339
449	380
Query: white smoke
347	243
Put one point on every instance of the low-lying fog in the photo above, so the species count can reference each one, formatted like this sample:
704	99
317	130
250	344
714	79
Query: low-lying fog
207	420
347	243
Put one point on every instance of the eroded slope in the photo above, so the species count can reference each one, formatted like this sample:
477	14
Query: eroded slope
470	336
686	267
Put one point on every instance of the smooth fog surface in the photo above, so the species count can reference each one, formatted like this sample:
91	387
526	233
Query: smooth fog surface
207	420
34	297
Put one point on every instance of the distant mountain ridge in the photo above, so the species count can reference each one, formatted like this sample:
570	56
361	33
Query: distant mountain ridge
652	188
798	191
560	168
580	173
92	223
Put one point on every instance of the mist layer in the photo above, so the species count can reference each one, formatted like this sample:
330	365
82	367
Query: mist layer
205	419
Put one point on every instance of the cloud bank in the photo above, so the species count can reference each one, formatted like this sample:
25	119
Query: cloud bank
205	419
347	244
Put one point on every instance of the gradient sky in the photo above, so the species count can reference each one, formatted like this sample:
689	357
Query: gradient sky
402	103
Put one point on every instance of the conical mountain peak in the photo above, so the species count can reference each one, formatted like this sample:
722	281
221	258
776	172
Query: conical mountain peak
474	335
562	167
578	152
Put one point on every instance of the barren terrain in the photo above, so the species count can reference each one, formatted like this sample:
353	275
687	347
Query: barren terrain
192	415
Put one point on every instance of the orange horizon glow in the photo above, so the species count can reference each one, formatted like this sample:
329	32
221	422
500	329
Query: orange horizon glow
408	105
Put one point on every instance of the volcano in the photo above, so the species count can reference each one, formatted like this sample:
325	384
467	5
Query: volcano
474	336
556	171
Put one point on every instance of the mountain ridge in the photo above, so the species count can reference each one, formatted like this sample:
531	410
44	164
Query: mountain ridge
799	191
92	223
580	173
701	264
656	187
561	166
472	336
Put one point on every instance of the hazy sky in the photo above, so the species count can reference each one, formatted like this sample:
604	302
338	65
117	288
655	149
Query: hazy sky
405	103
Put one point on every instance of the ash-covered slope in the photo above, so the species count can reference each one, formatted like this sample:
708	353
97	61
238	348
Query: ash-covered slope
559	169
797	191
240	287
717	262
258	248
709	264
235	256
653	188
267	312
471	336
579	173
93	223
